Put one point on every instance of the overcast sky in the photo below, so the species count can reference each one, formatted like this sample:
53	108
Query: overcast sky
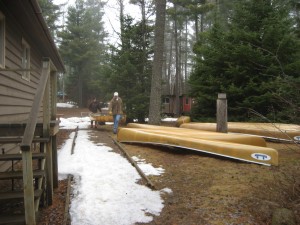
111	15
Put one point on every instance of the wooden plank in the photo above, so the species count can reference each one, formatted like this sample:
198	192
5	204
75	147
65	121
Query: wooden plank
28	187
19	174
13	118
13	92
11	110
55	162
4	140
133	163
6	157
12	59
11	79
54	129
53	81
46	133
29	130
14	101
13	219
18	194
17	129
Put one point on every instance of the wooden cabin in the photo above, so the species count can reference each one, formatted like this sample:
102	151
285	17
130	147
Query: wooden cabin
169	101
29	64
169	105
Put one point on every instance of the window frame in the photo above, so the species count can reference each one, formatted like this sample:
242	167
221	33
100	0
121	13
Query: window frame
2	40
166	100
25	60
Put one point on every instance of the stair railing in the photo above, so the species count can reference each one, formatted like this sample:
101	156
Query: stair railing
27	142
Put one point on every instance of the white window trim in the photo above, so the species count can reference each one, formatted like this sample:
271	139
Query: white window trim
2	40
25	65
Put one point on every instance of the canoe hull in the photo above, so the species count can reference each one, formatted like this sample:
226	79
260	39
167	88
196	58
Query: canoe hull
276	131
243	152
99	117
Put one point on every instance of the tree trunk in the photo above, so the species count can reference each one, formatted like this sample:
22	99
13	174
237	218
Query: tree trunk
155	96
178	68
121	4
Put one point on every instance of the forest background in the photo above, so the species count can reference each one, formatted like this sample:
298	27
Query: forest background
248	49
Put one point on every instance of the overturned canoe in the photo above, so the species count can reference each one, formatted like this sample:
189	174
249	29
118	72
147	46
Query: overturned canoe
183	119
275	131
208	135
243	152
101	117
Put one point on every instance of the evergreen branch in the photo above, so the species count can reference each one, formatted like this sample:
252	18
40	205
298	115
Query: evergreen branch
274	125
271	53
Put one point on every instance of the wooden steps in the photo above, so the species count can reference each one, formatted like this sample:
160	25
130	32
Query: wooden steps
10	157
6	140
12	219
18	195
12	197
19	174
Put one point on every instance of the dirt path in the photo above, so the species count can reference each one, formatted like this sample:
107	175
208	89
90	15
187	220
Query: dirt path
211	190
214	190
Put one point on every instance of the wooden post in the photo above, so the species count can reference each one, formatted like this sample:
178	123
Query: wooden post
54	161
28	187
222	113
53	83
46	133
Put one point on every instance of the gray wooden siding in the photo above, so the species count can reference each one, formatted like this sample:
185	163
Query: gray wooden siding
16	94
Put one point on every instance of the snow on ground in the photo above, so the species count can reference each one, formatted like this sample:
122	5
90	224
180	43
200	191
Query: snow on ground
67	105
105	190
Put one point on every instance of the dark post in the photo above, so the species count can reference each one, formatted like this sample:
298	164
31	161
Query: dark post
222	113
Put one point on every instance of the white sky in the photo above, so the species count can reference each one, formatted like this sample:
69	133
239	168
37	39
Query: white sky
105	190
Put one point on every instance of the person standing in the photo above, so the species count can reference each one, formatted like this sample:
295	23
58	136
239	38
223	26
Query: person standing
116	109
94	107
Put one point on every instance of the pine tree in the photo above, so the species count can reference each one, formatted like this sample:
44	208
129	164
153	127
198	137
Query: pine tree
249	61
131	68
82	48
51	13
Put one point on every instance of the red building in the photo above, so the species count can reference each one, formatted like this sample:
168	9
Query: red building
170	101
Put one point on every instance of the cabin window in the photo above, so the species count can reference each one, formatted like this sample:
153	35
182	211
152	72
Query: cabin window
166	100
25	60
2	40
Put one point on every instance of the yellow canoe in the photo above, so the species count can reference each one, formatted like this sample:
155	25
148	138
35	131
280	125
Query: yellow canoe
177	137
276	131
208	135
183	119
101	117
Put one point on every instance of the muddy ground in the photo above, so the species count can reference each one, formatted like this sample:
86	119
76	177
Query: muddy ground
206	189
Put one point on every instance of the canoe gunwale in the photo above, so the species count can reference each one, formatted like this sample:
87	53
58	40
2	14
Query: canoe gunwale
198	150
